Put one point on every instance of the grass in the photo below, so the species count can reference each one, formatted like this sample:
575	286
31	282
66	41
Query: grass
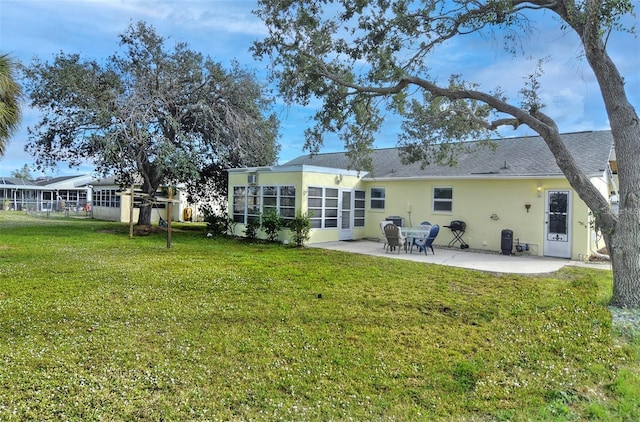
97	326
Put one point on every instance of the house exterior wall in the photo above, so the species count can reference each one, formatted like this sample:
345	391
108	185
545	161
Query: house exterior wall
301	180
335	181
486	205
106	213
284	178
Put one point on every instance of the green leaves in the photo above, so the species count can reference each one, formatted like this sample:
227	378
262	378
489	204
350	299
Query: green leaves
434	123
362	59
10	96
300	228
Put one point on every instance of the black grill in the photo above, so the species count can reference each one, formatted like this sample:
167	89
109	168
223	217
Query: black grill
457	225
458	228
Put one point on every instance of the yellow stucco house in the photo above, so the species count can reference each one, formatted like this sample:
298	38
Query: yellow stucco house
517	186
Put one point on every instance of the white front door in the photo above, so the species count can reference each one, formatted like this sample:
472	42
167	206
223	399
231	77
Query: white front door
346	213
557	239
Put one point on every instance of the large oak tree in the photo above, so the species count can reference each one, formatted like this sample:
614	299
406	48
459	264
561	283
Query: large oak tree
359	57
151	115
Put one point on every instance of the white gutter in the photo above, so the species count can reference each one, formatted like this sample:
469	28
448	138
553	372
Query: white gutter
470	177
293	169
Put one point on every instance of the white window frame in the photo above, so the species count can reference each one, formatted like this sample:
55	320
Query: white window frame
239	204
359	208
322	204
248	202
331	210
440	200
107	198
287	202
381	199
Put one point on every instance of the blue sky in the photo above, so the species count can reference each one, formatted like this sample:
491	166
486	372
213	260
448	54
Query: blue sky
224	30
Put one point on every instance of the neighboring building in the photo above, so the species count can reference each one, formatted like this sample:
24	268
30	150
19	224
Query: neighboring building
101	199
517	186
113	203
68	193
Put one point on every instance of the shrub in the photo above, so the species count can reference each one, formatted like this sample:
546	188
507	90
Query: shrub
252	227
219	224
272	224
300	228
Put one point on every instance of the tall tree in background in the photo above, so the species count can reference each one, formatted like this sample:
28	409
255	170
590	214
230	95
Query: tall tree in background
23	173
10	94
150	115
357	56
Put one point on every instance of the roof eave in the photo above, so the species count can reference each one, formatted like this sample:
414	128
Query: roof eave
474	177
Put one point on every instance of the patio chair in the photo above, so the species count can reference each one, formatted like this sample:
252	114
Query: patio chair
425	225
427	243
384	236
394	238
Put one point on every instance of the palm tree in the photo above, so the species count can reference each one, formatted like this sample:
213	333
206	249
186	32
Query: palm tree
10	94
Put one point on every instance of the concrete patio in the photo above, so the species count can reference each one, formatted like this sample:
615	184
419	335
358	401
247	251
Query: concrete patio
471	259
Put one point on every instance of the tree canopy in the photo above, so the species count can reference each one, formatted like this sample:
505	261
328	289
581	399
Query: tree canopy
363	58
10	95
151	114
22	173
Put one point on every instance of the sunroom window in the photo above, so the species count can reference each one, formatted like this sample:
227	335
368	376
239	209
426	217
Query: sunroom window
322	205
251	201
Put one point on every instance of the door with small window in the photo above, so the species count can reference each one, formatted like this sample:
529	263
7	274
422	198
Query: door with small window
557	237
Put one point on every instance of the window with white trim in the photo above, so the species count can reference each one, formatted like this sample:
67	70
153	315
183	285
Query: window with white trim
322	205
331	207
239	203
106	198
287	202
251	201
442	199
377	198
269	199
359	208
314	206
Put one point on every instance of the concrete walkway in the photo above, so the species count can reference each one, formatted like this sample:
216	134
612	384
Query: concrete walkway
476	260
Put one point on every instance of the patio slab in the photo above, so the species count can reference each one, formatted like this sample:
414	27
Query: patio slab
470	259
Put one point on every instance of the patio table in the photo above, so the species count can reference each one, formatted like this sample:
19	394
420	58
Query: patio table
413	234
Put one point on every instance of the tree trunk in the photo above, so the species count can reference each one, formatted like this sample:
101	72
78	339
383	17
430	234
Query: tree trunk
625	240
144	217
625	128
151	178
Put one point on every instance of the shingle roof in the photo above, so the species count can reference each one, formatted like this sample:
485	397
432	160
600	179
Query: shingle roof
513	157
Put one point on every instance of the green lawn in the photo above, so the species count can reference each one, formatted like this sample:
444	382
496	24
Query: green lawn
97	326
